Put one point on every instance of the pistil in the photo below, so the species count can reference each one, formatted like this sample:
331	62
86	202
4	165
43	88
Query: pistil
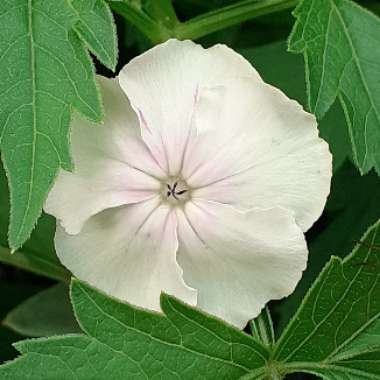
177	191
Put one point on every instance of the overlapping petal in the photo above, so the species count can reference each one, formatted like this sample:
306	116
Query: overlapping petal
199	184
257	148
112	165
238	261
162	85
128	252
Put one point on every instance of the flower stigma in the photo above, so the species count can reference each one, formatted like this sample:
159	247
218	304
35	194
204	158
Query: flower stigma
175	191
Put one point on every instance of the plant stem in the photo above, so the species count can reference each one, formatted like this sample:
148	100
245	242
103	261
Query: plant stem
161	24
222	18
163	12
155	32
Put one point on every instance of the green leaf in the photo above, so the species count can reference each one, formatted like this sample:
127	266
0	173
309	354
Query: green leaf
286	71
38	254
132	343
97	29
45	314
335	332
339	40
45	71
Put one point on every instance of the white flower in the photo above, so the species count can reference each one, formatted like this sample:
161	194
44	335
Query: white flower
199	184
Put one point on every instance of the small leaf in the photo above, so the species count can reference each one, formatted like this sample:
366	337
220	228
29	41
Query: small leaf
97	29
45	314
335	332
339	40
127	342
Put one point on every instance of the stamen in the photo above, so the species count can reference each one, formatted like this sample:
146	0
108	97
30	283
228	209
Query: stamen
173	189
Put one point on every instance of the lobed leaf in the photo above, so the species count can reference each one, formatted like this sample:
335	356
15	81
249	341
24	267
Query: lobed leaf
126	341
45	72
339	40
97	29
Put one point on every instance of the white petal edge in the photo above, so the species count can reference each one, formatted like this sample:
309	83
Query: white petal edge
264	151
128	252
238	261
112	165
162	85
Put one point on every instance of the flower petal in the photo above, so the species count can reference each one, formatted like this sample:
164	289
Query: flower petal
112	164
257	148
238	261
128	252
162	85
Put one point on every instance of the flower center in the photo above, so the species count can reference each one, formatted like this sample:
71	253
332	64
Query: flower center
176	191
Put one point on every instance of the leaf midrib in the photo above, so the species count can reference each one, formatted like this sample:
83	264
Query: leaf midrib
34	122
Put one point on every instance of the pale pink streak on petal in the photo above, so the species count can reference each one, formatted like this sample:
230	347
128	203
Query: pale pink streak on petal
129	253
164	93
238	261
113	166
257	148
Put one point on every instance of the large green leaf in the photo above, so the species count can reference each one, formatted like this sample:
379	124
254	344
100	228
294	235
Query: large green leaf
45	72
335	332
131	343
286	71
45	314
339	40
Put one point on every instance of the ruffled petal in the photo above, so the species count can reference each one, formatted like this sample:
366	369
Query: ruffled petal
128	252
257	148
162	85
113	166
238	261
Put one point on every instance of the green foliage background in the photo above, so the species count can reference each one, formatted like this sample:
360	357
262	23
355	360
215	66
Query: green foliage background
336	77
